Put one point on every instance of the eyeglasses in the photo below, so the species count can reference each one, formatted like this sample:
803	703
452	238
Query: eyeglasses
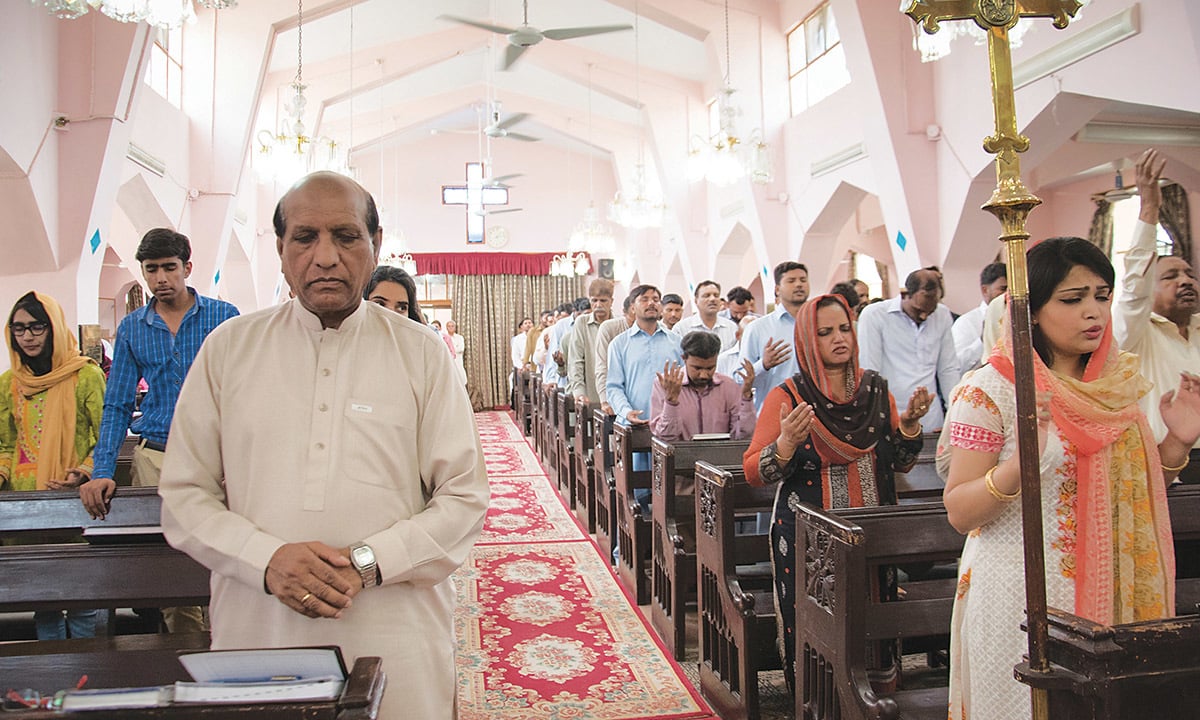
36	329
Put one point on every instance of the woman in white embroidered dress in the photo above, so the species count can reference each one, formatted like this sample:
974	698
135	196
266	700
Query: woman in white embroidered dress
1109	555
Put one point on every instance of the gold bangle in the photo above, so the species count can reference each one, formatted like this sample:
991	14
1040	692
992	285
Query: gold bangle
1168	469
783	460
990	482
906	436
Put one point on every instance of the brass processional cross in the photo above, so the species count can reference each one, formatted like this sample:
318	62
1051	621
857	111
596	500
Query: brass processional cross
1011	203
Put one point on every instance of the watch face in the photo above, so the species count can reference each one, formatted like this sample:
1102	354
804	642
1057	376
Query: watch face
497	236
362	556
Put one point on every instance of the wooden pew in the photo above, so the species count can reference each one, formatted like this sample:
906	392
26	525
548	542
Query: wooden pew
1183	503
564	414
1146	669
524	408
63	575
550	428
604	487
673	531
118	662
585	506
537	411
123	474
837	555
735	598
922	483
633	525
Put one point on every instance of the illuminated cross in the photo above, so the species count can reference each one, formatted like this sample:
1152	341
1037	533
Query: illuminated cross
1011	203
476	197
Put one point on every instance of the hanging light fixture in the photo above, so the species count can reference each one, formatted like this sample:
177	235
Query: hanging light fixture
639	210
591	234
404	261
726	157
158	13
570	265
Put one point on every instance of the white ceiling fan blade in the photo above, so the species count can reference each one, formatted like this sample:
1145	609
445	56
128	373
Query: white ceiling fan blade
481	25
578	32
504	210
511	54
522	138
503	178
511	120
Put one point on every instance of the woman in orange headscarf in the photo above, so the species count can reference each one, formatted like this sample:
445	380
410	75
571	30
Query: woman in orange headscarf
1107	535
830	437
51	402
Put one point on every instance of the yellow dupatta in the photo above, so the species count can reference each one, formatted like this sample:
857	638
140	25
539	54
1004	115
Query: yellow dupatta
56	451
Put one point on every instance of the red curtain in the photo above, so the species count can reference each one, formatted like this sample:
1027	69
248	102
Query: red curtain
471	263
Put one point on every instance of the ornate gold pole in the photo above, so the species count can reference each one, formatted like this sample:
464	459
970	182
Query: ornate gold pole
1011	203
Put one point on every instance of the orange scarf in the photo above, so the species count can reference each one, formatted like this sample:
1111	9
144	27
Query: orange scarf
56	451
1124	556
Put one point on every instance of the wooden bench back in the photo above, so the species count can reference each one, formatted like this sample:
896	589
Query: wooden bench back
61	510
675	462
922	482
722	493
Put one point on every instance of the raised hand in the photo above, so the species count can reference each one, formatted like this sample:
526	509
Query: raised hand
776	353
671	379
747	373
1149	169
918	405
794	426
1181	409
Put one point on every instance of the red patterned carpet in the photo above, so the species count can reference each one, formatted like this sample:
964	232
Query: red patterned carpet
545	632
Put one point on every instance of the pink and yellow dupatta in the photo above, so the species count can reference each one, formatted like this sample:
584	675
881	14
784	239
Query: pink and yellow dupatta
1124	557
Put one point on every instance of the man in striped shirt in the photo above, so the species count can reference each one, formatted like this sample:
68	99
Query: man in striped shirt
157	342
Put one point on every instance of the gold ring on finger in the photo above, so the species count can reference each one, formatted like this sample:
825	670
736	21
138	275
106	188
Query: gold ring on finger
304	600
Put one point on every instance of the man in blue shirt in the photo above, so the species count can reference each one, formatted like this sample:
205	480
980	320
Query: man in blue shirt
768	343
636	356
157	342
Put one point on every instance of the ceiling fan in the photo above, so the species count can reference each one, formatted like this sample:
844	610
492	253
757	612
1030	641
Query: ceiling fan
526	36
1119	190
500	128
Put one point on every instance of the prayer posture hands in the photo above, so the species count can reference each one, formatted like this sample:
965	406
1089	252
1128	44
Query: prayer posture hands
776	352
1181	410
918	405
313	579
747	373
1149	169
671	379
96	495
794	425
634	418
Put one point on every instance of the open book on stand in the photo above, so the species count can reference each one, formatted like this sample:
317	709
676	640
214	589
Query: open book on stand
233	676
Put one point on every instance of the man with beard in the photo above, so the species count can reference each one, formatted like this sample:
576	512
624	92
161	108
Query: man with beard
768	342
158	342
909	341
707	318
694	399
1155	314
581	344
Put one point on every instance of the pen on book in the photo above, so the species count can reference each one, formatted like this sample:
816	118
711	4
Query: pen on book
82	681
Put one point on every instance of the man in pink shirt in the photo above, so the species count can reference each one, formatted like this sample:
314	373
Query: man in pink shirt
695	399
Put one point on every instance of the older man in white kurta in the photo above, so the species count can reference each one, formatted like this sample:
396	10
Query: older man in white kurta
313	427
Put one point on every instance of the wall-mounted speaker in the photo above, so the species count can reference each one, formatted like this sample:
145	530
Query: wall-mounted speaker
605	268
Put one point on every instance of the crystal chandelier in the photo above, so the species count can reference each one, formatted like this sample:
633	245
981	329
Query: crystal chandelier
726	157
159	13
639	211
591	234
285	155
570	265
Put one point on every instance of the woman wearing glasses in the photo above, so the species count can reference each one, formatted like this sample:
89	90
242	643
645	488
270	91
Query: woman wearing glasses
50	407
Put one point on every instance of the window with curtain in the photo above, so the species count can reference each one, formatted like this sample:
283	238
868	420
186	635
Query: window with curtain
816	60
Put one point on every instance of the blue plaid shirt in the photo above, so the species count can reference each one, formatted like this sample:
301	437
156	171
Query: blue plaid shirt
145	348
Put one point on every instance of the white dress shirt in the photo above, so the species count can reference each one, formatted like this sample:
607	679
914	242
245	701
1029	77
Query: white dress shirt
968	337
1154	338
779	325
723	328
909	355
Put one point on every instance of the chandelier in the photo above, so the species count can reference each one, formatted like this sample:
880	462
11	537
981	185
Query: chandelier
938	45
287	154
159	13
591	234
404	261
570	265
726	157
639	211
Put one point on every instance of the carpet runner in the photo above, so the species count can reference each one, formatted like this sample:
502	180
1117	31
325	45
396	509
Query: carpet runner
544	630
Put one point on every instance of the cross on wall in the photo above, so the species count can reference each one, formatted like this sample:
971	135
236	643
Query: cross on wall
476	197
